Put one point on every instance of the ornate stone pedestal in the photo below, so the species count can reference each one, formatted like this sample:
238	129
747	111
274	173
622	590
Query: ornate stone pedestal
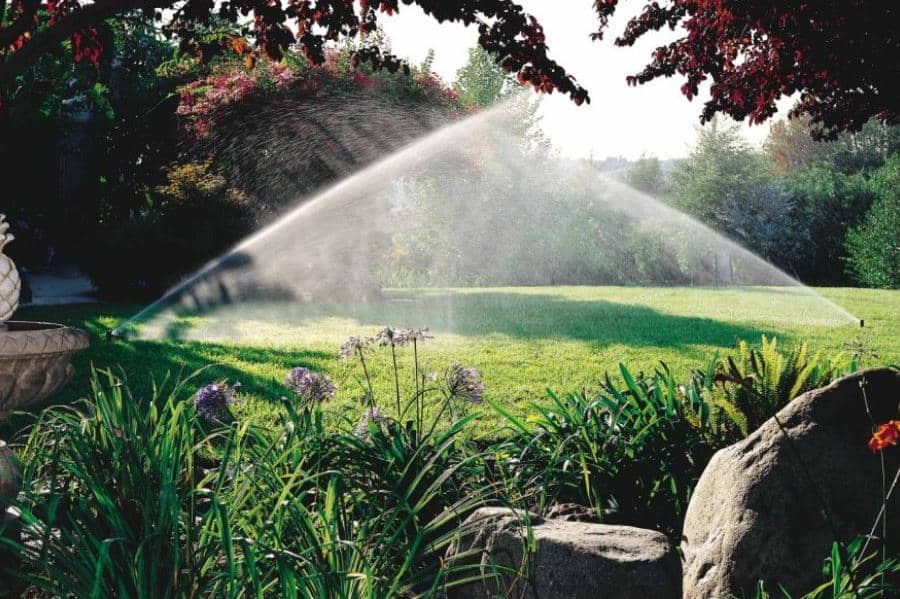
35	361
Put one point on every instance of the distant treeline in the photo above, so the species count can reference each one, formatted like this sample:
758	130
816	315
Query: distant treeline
825	213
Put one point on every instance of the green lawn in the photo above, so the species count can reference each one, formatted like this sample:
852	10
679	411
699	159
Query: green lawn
523	340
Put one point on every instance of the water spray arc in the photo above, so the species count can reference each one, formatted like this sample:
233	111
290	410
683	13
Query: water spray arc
469	204
395	165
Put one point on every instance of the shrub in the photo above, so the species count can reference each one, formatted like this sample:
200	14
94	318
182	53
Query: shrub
873	247
828	202
632	453
189	219
54	162
241	145
759	382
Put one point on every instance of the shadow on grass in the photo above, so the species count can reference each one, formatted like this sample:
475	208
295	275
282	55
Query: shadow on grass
521	316
518	315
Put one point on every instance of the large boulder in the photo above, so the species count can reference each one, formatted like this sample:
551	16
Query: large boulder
571	560
769	509
10	476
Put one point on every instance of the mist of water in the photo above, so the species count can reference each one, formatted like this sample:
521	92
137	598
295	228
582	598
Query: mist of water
476	204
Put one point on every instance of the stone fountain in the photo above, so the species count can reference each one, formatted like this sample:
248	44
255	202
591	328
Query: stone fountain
35	358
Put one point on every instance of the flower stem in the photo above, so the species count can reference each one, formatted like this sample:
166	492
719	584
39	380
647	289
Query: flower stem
443	409
362	360
884	490
419	399
881	512
396	378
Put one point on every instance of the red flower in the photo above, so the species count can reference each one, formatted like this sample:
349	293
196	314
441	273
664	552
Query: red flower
361	80
886	434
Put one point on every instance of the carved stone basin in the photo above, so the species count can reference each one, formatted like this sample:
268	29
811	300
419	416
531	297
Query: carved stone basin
35	361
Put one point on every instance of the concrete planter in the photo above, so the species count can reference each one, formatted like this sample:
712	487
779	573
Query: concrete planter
35	361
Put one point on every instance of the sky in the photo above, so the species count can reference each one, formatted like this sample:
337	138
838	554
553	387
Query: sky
651	119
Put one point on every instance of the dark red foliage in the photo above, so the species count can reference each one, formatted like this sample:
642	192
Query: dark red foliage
86	45
514	37
839	55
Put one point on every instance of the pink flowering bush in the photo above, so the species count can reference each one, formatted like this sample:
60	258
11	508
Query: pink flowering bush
259	135
435	89
203	100
364	80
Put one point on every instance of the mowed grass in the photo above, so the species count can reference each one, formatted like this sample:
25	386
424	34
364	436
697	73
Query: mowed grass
523	340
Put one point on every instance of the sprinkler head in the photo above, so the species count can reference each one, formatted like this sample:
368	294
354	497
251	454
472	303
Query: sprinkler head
113	334
862	323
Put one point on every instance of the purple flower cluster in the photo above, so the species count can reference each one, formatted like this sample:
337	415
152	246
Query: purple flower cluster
417	335
373	415
465	383
309	385
212	401
353	345
386	337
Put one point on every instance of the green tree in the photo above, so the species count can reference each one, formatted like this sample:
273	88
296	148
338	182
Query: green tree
866	149
828	202
722	170
873	247
789	147
768	222
727	184
480	82
646	175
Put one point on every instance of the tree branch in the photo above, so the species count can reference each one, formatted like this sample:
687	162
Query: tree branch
12	32
18	61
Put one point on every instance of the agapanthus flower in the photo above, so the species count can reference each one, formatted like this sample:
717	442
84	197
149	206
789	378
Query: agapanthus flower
388	337
353	345
417	335
212	401
373	415
465	383
885	435
309	385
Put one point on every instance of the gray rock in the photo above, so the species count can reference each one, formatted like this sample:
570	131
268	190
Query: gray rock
571	560
756	513
10	476
572	512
